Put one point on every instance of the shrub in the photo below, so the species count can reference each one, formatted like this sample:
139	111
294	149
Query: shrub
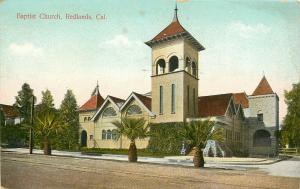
165	138
140	152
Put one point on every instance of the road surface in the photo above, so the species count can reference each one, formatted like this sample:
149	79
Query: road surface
38	171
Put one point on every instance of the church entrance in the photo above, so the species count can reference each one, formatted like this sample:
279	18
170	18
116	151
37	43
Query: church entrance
261	138
83	139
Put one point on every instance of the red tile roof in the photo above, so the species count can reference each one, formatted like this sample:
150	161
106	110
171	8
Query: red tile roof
172	29
9	111
241	98
144	99
93	103
215	105
263	88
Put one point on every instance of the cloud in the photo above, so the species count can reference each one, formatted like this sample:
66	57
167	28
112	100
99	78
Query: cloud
120	41
247	30
25	49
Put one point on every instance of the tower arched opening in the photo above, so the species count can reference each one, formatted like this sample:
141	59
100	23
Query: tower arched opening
261	138
173	63
160	66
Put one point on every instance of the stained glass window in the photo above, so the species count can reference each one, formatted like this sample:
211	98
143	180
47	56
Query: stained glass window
108	134
114	134
134	109
108	112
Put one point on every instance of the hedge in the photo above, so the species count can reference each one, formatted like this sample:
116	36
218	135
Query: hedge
165	138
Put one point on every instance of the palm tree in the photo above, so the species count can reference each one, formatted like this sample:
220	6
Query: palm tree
46	124
196	134
132	128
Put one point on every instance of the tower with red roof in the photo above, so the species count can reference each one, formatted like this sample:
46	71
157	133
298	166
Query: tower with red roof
263	119
174	73
86	112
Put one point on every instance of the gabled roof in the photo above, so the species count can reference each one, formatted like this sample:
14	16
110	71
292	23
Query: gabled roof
172	31
114	100
94	102
143	100
9	111
215	105
118	101
241	98
263	88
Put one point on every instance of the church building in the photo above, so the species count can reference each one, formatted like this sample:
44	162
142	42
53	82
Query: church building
249	121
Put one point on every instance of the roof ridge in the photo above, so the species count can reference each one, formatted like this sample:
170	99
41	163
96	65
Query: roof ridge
217	95
116	98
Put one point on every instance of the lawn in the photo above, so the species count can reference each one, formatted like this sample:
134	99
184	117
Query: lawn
141	152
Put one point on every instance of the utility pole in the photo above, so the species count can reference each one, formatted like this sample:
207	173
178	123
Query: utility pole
30	130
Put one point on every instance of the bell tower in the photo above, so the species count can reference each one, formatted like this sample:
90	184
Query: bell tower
174	73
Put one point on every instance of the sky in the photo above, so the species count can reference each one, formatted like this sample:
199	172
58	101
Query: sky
243	41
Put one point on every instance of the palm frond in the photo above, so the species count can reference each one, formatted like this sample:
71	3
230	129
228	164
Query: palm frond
196	133
132	128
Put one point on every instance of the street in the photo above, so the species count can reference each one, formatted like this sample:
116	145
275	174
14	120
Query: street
39	171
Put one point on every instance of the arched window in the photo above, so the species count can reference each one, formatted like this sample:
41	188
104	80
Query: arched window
160	66
84	119
173	63
114	134
261	138
89	118
103	134
194	69
108	134
188	65
109	112
134	109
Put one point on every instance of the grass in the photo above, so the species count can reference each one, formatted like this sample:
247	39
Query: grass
140	152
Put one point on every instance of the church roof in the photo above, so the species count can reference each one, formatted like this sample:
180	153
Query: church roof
215	105
172	31
241	98
263	88
94	102
144	99
117	100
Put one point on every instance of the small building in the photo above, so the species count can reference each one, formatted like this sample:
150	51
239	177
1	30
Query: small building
11	114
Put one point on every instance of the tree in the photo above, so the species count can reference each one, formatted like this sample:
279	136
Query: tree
291	124
46	125
47	99
45	105
24	102
196	134
133	129
2	118
69	117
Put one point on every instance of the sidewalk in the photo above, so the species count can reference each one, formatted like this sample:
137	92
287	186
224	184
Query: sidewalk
224	163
